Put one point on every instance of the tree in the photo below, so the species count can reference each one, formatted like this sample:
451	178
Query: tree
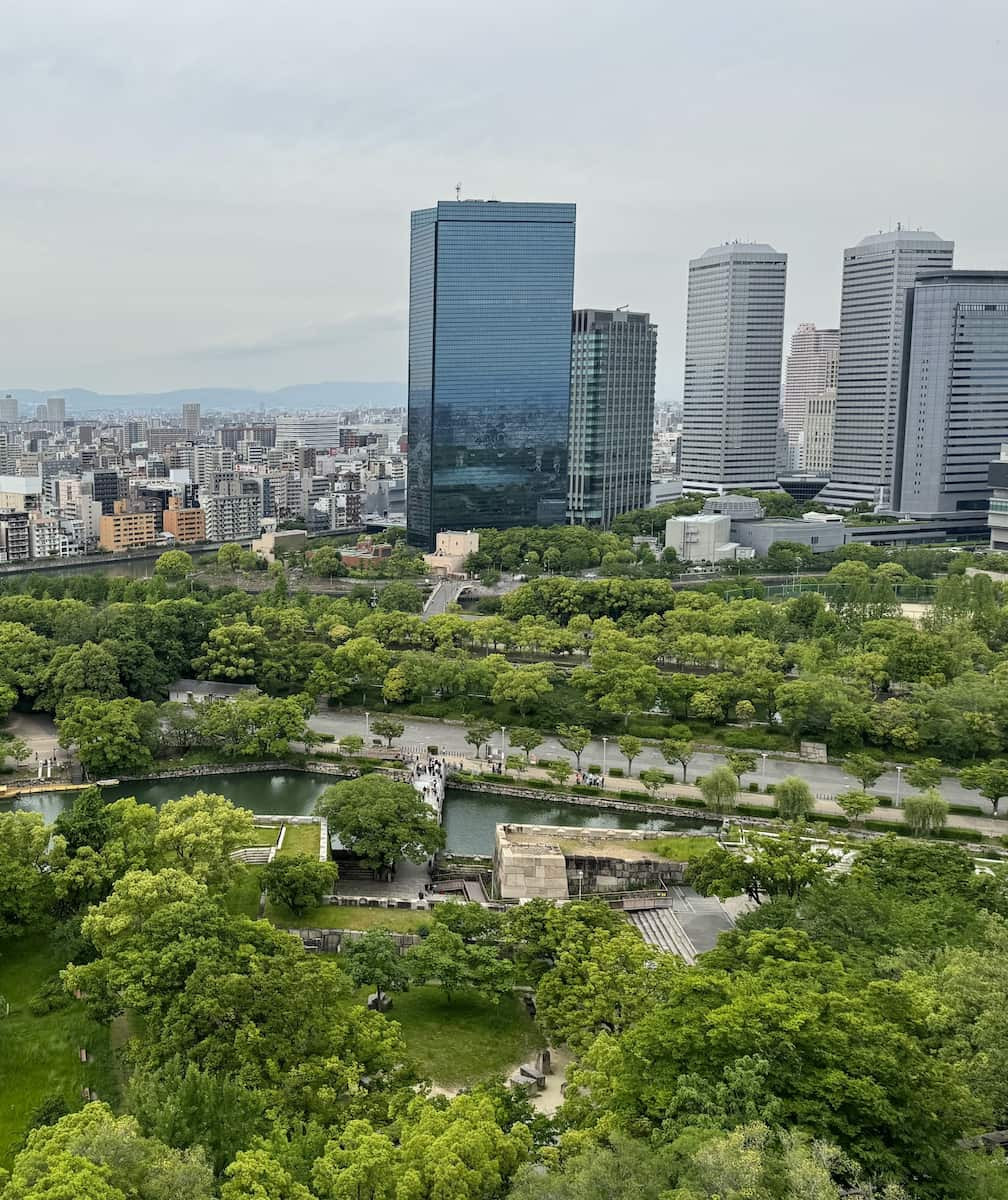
864	767
112	736
560	771
183	1106
229	556
855	804
197	833
232	652
741	762
401	597
94	1155
173	564
926	812
26	879
773	867
299	882
677	750
654	781
794	798
388	728
381	821
525	738
258	1175
523	686
575	739
990	780
86	823
630	747
925	773
74	672
719	788
478	733
443	956
374	960
351	744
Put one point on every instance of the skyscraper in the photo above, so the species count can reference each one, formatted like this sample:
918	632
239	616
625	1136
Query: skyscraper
954	401
734	344
611	414
56	410
811	370
9	408
491	293
191	418
876	275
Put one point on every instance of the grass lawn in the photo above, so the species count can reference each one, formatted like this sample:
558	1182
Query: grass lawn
301	839
346	916
242	898
465	1040
39	1055
680	849
264	835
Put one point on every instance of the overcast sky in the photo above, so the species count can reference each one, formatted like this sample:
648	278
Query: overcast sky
217	192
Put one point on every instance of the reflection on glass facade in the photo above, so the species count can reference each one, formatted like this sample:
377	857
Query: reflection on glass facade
491	294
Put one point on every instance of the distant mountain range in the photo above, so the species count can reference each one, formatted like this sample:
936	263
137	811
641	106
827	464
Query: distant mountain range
320	396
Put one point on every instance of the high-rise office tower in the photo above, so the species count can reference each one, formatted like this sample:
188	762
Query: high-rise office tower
876	275
191	418
815	447
9	409
811	370
56	410
491	294
734	344
954	399
611	414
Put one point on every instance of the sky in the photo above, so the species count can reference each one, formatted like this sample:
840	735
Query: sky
217	192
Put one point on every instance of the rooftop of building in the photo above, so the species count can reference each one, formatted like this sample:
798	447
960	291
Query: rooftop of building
899	234
964	276
741	250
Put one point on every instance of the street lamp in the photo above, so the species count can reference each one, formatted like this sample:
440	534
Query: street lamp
764	756
899	785
503	746
367	724
605	742
580	878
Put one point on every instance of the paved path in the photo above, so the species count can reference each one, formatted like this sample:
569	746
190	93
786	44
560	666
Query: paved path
824	779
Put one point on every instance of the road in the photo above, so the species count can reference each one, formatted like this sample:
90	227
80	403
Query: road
824	779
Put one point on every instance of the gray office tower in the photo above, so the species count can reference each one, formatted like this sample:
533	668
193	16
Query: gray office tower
611	414
876	275
56	410
734	344
491	294
954	400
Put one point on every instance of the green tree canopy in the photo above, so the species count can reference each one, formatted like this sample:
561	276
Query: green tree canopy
381	821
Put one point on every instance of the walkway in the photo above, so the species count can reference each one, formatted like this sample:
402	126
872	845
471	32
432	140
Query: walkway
824	779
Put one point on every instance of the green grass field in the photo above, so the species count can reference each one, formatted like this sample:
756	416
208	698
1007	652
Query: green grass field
265	835
301	839
39	1055
347	916
465	1040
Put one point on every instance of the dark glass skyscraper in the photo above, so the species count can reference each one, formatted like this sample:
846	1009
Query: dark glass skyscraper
491	295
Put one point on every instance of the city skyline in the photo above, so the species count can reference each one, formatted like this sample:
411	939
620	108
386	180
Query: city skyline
263	244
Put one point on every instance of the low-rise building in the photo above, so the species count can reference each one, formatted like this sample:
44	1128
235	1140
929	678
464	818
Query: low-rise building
122	530
451	549
997	516
184	524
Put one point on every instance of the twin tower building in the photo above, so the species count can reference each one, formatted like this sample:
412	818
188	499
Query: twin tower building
523	411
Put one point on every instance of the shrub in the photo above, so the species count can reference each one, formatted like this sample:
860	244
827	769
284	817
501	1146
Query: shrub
594	768
752	787
616	772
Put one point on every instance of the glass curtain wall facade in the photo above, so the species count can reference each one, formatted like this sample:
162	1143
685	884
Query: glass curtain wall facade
611	414
954	404
491	294
734	346
876	275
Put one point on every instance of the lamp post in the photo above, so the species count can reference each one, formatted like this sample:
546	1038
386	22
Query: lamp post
580	878
764	756
899	786
503	746
605	742
367	724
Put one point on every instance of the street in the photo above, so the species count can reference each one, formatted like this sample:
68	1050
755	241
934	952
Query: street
824	779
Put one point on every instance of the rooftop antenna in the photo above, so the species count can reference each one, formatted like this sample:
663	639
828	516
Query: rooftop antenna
458	190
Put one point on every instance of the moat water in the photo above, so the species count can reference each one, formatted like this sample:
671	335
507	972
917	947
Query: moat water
469	817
